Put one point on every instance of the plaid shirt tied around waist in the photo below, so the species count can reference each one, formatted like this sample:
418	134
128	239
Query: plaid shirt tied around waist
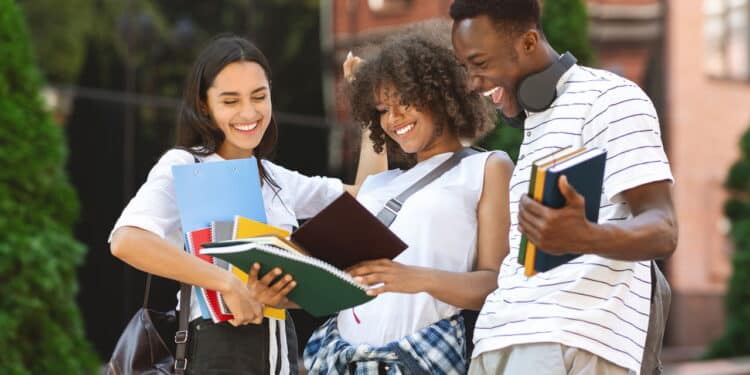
437	349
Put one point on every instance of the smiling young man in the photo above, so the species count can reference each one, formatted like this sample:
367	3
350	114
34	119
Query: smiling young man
591	315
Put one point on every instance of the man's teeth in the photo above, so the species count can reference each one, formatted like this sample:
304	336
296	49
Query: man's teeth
245	128
491	91
405	129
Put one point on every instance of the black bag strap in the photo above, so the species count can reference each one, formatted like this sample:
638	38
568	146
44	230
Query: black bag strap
389	212
181	336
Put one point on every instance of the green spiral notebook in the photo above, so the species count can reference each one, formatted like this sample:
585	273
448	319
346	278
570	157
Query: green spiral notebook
321	290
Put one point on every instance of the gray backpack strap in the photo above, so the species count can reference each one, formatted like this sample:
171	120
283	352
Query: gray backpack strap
661	298
388	214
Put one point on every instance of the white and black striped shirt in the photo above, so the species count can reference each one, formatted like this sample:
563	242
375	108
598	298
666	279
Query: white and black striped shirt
593	303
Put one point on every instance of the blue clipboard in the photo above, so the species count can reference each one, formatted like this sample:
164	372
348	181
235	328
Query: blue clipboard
217	191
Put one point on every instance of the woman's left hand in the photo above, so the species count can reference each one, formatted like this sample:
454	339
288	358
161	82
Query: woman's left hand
271	289
394	277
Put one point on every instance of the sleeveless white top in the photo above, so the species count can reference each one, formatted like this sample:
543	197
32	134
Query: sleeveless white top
439	223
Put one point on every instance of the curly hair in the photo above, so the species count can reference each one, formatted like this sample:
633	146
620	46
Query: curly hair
423	74
515	14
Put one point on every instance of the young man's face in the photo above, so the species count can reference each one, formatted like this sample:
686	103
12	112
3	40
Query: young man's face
495	60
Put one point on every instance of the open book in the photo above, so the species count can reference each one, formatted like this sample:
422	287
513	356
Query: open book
346	233
321	290
342	234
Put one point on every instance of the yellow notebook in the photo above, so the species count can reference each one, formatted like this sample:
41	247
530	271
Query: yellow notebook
246	228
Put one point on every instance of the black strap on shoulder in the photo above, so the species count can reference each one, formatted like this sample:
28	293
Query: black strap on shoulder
181	336
388	213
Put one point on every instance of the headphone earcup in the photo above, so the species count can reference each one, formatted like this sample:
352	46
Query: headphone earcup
537	92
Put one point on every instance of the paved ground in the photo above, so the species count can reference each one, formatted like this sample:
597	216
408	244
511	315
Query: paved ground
732	366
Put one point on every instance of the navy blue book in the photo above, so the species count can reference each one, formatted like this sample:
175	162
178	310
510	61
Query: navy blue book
585	172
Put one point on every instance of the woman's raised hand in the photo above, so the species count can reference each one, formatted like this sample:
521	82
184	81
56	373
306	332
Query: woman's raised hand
350	66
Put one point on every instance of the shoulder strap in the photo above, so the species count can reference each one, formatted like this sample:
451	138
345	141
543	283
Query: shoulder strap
181	336
388	214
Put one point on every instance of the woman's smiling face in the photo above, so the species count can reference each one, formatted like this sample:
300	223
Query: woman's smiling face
239	102
412	129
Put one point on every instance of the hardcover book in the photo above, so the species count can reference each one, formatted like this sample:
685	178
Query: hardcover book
584	169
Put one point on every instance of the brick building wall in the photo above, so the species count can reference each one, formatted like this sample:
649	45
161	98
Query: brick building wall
707	116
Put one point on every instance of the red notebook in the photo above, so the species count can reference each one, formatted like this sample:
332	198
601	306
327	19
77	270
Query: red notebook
196	240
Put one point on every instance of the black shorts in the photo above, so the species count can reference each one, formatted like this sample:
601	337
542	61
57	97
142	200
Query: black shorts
219	349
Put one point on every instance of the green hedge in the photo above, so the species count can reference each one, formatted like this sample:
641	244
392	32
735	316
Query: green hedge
40	327
736	338
565	24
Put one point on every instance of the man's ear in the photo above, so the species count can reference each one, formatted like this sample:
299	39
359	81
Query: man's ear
530	41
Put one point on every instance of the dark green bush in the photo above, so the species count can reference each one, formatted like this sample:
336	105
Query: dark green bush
40	326
735	341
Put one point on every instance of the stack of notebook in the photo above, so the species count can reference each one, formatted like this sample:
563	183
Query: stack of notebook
209	195
584	169
223	216
340	236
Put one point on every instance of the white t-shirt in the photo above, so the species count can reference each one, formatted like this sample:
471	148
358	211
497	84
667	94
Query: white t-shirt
593	303
154	207
439	223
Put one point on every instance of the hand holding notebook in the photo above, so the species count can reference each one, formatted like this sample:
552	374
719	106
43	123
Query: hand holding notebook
584	171
341	235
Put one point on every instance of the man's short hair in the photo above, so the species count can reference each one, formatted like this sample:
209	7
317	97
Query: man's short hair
519	15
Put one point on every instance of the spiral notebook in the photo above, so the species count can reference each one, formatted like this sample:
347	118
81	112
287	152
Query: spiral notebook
217	191
321	290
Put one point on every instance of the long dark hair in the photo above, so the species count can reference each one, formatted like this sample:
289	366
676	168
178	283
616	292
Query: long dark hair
196	131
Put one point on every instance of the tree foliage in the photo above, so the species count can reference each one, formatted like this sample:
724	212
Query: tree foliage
735	341
60	31
40	327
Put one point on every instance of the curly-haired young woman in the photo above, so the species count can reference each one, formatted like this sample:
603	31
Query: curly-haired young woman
413	96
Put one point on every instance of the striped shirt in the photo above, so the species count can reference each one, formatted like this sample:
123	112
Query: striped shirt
593	303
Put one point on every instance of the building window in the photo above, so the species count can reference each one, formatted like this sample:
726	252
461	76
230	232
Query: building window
726	37
389	7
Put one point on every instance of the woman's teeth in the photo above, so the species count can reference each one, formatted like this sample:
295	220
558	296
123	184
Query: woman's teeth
405	129
245	127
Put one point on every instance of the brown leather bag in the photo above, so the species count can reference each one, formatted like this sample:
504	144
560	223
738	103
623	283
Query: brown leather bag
141	348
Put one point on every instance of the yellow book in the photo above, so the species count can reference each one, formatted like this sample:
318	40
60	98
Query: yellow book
246	228
530	247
